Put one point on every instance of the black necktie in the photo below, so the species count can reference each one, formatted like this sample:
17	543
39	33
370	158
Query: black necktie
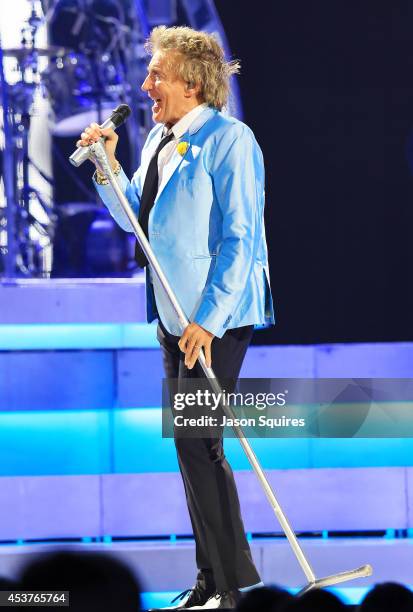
149	191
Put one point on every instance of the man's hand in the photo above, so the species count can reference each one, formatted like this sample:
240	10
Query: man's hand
93	133
192	340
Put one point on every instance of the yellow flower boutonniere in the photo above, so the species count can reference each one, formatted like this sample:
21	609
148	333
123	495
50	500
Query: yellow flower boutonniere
182	147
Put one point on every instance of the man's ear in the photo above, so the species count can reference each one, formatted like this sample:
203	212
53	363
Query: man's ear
192	89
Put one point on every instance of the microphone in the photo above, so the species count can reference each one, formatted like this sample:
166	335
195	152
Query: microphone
118	116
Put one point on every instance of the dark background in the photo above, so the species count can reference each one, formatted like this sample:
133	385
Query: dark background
327	87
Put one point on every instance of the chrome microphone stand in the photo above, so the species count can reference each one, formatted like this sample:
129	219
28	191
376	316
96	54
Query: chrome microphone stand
98	155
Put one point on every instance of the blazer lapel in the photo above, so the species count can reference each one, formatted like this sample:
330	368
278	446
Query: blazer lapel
177	158
172	165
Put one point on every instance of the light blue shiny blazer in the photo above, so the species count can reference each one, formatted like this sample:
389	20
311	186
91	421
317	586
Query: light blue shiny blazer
206	227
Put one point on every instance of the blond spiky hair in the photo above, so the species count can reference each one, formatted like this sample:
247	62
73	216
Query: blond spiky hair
203	61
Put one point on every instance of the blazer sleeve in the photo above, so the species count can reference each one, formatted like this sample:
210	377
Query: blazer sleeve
238	180
131	189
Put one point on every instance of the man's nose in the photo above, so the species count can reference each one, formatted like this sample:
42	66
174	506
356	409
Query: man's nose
146	85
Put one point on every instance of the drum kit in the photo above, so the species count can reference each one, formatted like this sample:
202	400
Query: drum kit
95	61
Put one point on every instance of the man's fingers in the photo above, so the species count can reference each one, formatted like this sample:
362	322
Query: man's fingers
93	133
192	341
87	137
109	134
94	130
192	350
207	349
183	340
85	142
190	360
188	335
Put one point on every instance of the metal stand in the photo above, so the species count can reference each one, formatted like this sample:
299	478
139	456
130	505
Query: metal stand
28	234
97	154
8	173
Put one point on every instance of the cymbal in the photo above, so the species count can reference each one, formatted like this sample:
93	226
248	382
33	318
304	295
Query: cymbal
22	52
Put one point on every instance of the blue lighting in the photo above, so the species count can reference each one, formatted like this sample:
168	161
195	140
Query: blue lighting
47	442
78	336
350	595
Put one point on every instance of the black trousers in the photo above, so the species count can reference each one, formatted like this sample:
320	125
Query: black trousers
211	494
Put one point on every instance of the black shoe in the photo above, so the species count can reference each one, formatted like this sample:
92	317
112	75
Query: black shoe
198	595
224	600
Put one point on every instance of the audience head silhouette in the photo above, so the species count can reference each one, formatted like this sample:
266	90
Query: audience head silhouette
388	597
97	582
316	600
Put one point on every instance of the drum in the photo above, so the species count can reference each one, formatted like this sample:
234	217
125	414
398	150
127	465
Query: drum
80	91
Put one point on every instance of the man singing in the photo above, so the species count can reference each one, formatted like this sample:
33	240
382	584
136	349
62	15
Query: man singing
199	196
